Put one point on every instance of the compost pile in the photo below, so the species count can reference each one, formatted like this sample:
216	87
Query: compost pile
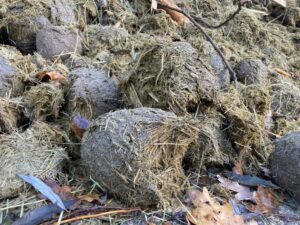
130	100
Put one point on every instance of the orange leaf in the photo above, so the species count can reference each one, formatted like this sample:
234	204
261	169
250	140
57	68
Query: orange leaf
178	17
206	210
46	76
238	167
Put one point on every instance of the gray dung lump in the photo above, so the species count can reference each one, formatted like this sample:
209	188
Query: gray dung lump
252	71
137	154
93	93
57	41
285	163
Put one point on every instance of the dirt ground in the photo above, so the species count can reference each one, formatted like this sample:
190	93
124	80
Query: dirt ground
165	114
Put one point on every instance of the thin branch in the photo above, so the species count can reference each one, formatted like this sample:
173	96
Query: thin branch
95	216
207	25
217	49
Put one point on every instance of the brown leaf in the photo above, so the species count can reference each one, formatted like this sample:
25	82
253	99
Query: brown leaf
91	197
206	210
238	167
176	16
265	199
53	75
243	192
64	192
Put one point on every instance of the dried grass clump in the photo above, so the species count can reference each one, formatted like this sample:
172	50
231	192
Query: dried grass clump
285	97
45	99
283	127
170	76
30	152
101	39
10	114
213	147
137	154
13	68
247	127
247	30
159	24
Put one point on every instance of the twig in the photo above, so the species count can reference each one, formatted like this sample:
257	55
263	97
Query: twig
231	71
95	215
205	24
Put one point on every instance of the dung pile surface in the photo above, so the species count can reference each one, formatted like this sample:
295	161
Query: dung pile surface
136	154
171	77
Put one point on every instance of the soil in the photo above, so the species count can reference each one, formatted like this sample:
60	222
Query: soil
165	115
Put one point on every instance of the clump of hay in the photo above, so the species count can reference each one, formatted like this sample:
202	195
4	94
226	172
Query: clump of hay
285	97
13	67
136	154
247	30
44	99
213	147
10	114
247	118
283	126
159	24
170	76
30	152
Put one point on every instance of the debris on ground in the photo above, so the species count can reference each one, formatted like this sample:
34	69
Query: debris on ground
137	103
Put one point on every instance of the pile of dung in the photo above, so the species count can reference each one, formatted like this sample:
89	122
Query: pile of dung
23	19
137	154
170	76
10	114
31	152
213	147
246	110
44	99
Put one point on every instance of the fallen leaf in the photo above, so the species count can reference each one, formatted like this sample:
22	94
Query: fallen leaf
176	16
206	210
154	5
79	125
92	197
64	192
43	213
243	192
251	181
53	75
265	199
238	167
44	189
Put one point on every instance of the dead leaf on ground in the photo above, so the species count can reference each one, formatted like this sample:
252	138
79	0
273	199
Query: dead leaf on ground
64	192
45	76
91	197
238	167
206	210
176	16
243	192
265	199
